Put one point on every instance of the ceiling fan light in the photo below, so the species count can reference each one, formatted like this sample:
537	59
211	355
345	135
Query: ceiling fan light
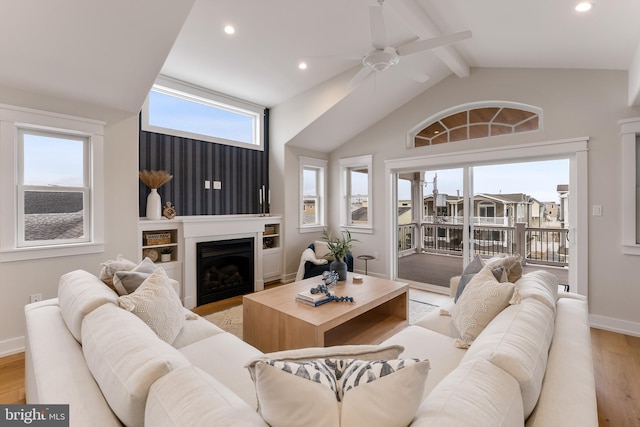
381	60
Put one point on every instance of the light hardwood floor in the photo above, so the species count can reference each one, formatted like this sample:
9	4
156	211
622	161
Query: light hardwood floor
616	361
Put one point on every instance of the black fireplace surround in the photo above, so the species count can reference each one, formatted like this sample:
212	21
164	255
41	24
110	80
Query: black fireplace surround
225	269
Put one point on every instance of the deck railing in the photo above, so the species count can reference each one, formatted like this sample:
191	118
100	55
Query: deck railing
548	246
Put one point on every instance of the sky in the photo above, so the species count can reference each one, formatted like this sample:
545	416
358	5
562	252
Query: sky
44	164
537	179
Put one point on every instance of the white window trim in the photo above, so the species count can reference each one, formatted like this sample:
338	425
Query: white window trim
630	131
346	164
11	119
321	165
197	94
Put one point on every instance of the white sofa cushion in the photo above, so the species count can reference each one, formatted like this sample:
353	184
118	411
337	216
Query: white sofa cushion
540	285
570	362
421	343
79	293
55	368
517	341
224	356
334	392
477	394
190	397
195	329
483	298
125	358
158	305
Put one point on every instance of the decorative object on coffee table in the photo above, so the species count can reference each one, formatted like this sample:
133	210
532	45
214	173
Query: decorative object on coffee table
339	247
154	179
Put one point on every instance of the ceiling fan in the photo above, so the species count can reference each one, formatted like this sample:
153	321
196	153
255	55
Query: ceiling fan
383	56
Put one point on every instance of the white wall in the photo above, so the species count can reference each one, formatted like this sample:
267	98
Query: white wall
575	103
21	279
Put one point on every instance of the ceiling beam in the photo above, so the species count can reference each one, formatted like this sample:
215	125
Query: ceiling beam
419	22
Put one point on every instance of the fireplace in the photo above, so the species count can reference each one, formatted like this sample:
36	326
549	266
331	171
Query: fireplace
224	269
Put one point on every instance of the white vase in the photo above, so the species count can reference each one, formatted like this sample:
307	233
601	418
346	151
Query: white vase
154	205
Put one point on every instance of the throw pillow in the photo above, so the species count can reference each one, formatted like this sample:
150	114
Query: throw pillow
334	392
111	266
483	298
156	302
467	274
322	250
127	282
511	263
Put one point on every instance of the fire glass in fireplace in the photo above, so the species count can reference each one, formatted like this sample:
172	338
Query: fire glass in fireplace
225	269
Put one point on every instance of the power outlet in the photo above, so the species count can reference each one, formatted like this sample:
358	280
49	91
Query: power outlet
35	298
376	255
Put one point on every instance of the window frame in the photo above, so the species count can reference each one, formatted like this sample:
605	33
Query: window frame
194	94
14	119
347	165
319	165
22	188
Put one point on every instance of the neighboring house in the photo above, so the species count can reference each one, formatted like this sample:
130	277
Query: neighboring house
489	209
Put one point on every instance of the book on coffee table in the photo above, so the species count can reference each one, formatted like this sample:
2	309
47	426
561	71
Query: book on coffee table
308	296
314	303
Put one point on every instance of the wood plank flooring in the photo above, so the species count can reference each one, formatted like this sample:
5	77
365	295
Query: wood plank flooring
616	363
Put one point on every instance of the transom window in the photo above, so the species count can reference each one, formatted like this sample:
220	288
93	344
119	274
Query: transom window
179	109
476	121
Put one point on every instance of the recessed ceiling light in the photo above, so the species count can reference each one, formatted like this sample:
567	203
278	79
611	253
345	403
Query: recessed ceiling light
584	6
302	65
229	29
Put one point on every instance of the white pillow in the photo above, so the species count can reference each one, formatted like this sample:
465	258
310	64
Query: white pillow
483	298
156	302
322	250
340	392
111	266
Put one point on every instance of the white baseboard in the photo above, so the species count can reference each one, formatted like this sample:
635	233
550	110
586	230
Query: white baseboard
615	325
289	278
11	346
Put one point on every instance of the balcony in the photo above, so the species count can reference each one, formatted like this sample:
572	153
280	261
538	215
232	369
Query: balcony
432	253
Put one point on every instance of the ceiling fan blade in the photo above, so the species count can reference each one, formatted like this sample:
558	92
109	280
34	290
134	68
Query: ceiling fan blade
378	32
412	73
359	77
422	45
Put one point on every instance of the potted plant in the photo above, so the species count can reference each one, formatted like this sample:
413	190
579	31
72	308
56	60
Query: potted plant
165	254
339	247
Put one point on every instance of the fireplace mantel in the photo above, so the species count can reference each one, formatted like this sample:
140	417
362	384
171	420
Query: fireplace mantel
191	230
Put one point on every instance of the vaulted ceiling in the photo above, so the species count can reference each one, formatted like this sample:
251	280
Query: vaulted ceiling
109	53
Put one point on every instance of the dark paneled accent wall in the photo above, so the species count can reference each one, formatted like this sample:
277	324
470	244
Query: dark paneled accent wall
241	171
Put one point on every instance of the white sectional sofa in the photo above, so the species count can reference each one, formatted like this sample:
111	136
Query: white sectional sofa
531	365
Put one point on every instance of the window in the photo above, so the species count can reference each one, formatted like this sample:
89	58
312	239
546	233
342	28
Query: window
51	185
356	193
53	196
312	193
182	110
476	120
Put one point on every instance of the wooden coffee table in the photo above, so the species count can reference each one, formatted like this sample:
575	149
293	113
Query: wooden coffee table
273	320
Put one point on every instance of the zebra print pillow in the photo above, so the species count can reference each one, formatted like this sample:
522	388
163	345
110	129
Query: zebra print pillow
381	392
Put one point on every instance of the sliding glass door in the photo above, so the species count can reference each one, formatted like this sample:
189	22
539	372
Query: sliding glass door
447	216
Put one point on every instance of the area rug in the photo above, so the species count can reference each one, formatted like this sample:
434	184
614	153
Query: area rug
230	319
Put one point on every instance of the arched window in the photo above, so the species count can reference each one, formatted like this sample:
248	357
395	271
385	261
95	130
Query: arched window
477	120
